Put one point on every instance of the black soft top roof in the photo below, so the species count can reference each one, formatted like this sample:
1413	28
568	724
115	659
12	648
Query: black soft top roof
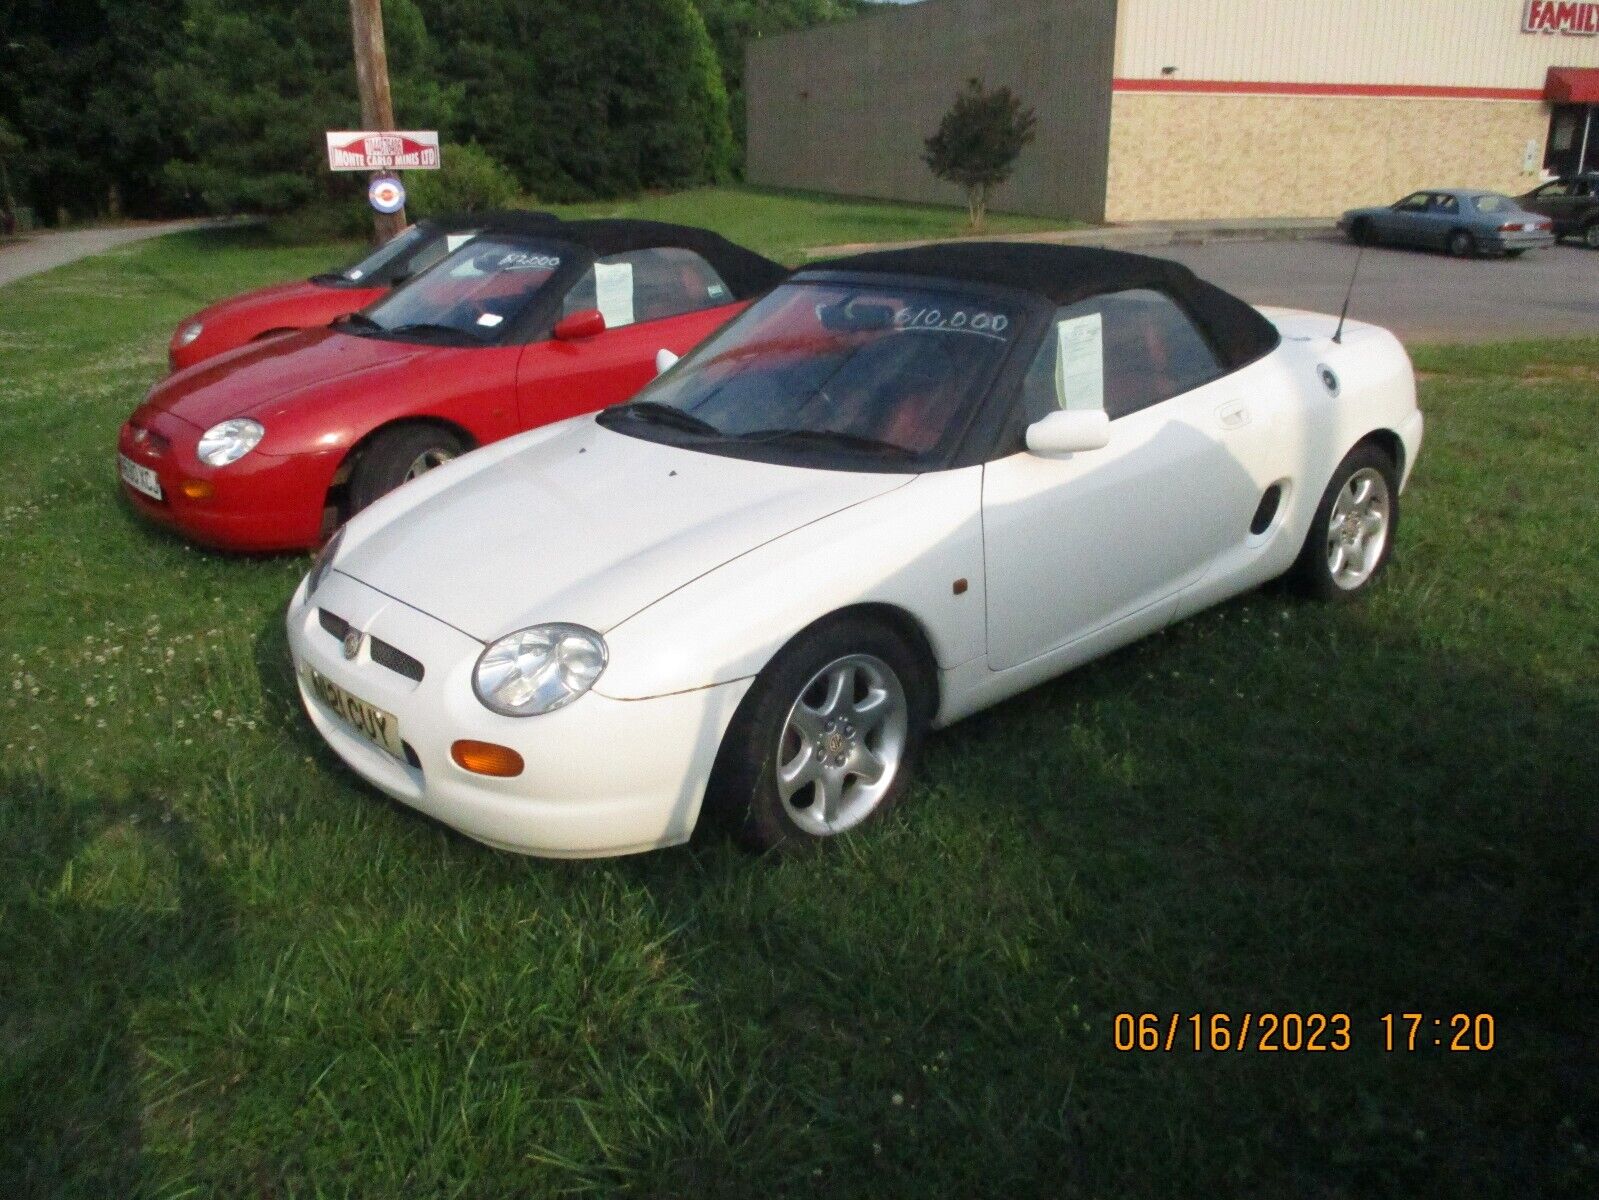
499	218
745	272
1066	274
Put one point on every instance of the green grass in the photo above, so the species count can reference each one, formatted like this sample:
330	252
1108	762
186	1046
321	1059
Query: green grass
785	225
232	970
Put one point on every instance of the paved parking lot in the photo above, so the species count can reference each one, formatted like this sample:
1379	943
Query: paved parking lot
1422	296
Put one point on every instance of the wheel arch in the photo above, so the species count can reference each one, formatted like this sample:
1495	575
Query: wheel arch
1390	443
337	490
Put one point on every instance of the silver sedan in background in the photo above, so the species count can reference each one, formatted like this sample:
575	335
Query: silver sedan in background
1462	221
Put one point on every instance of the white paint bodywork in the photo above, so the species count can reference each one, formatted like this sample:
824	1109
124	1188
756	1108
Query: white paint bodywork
697	568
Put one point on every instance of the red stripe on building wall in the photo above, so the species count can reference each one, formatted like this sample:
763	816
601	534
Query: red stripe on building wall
1231	87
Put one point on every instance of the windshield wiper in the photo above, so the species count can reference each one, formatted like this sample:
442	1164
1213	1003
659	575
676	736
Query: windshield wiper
655	413
359	319
432	328
831	438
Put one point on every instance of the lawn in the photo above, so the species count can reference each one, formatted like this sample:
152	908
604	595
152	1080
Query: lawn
232	970
786	225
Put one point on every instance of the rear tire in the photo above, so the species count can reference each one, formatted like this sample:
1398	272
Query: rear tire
1352	534
1462	244
1590	234
397	455
1514	253
826	739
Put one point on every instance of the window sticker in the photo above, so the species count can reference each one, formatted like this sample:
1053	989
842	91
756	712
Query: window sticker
454	241
354	273
613	292
716	289
490	319
1080	362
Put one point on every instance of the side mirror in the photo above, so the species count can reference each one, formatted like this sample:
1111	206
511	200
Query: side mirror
579	325
664	360
1069	431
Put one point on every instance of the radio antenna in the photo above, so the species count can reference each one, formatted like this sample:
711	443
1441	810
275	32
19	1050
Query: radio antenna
1338	334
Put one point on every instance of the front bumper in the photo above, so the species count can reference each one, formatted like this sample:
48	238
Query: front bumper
603	776
263	502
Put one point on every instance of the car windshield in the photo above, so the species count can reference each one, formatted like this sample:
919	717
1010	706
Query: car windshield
391	252
887	374
1494	204
470	296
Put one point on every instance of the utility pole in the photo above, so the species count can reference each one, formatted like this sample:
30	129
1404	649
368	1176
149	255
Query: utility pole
372	78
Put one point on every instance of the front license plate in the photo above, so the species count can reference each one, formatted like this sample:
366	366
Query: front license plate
371	722
140	479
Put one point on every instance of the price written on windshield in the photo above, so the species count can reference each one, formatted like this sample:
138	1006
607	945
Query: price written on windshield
954	320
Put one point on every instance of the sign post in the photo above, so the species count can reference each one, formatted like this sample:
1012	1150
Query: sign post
372	78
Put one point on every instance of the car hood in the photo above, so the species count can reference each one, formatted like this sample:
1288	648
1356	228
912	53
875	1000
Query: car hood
241	381
298	292
583	525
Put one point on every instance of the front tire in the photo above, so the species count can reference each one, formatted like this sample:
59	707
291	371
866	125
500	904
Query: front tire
1361	232
1590	234
1462	244
1352	534
826	740
397	455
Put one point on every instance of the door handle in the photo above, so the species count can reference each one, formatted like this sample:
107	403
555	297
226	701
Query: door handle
1233	414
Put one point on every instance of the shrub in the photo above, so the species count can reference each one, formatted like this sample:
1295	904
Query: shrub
470	180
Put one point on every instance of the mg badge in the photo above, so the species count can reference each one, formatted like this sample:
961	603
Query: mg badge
352	643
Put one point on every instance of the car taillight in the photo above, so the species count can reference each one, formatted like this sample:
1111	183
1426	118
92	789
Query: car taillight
1511	227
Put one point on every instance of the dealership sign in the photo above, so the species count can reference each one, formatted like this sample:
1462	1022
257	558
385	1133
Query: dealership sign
407	150
1561	16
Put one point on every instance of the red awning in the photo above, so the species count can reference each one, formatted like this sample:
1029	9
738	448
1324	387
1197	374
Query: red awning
1572	85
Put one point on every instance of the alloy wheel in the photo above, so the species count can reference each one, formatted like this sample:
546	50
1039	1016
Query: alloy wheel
426	461
1357	528
842	744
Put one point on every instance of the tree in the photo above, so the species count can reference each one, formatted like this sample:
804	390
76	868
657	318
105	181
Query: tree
75	84
258	82
580	102
11	145
733	24
977	143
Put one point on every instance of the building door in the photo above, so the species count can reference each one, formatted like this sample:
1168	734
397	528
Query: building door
1573	145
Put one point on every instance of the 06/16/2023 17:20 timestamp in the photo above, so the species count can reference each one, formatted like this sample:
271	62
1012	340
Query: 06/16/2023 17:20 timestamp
1299	1032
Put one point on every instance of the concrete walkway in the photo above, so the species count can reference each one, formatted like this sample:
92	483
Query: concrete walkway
1141	234
47	249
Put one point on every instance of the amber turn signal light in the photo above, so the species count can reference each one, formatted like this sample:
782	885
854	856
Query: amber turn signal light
485	758
196	489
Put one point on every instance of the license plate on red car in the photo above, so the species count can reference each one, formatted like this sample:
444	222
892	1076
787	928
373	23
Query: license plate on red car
140	479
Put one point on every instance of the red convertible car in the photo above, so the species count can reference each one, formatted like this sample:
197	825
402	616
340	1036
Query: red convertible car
270	447
320	299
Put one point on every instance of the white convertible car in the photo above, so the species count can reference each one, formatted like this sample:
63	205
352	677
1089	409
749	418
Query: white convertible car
898	489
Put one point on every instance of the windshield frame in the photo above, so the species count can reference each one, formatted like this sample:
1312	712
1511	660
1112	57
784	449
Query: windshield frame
976	442
535	322
383	276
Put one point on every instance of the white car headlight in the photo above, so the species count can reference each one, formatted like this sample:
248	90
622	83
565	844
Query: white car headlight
189	332
323	563
539	670
229	442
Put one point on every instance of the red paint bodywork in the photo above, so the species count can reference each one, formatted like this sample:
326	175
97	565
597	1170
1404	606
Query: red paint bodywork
235	322
319	392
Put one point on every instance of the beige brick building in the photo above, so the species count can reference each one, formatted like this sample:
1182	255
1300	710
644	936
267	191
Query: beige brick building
1174	109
